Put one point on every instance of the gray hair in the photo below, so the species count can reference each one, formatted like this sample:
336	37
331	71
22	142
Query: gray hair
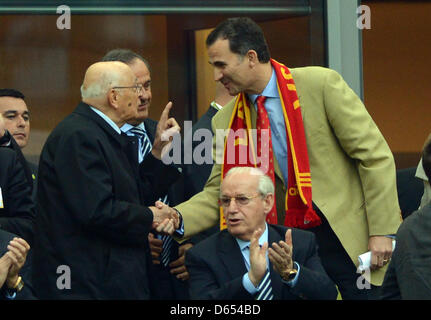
265	185
125	55
101	87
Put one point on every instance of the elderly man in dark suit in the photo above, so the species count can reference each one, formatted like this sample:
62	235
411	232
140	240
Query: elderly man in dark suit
168	272
92	226
409	272
233	264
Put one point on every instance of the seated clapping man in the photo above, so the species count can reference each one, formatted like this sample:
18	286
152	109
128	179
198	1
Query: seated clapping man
13	253
253	259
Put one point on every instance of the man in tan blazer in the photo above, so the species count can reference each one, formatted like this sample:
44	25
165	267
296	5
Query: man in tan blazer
352	168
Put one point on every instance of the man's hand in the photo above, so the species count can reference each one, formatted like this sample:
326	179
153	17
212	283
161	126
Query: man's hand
381	251
18	249
280	255
166	129
5	263
156	248
257	258
165	218
178	266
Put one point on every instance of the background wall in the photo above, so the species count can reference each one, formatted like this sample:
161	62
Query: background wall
48	64
397	74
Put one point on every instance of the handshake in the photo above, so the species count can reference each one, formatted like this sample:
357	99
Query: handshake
165	219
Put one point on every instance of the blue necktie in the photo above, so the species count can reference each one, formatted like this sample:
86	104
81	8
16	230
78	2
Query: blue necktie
145	147
265	288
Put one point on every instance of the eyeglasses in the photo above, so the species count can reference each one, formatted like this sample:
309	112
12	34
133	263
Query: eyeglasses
241	200
138	88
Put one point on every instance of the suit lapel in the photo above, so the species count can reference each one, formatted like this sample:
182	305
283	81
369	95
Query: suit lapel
230	255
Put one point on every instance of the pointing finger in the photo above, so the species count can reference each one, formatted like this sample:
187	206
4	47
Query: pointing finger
165	113
288	237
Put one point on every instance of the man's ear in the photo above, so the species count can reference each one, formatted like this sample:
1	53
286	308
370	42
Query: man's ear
252	57
113	96
268	202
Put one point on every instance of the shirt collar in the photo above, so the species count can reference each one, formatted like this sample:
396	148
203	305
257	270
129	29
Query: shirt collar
263	238
107	119
270	90
126	127
216	105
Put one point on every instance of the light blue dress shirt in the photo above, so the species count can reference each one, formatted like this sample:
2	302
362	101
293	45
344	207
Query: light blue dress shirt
244	246
276	119
107	119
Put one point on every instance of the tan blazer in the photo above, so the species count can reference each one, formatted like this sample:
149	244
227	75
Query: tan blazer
352	168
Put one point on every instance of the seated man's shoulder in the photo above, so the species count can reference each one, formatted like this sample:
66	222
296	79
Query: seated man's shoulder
420	219
207	246
304	234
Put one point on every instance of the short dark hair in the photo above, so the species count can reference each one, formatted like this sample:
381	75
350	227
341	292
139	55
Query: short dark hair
426	158
11	93
243	35
124	55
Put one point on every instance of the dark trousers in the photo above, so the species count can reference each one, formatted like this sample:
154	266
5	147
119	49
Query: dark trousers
166	286
339	266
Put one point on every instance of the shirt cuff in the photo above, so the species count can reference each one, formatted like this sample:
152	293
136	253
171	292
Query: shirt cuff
10	294
180	231
248	285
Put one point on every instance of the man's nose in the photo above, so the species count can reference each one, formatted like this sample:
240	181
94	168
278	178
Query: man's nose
21	121
145	94
232	207
218	75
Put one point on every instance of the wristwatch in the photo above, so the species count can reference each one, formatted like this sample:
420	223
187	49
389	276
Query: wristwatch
19	284
291	274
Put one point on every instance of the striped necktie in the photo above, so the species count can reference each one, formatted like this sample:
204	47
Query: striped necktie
264	291
145	149
167	241
145	143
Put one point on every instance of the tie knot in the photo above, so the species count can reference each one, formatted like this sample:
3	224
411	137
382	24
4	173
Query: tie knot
260	100
137	132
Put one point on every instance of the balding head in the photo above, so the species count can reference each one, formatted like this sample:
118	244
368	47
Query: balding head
98	90
102	76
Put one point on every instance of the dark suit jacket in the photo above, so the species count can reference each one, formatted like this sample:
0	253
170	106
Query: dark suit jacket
199	173
409	272
410	190
18	215
216	268
90	216
33	169
164	285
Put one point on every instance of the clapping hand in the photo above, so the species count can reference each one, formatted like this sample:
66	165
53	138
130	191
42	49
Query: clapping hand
280	255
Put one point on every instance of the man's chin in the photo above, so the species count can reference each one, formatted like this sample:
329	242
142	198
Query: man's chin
142	115
21	142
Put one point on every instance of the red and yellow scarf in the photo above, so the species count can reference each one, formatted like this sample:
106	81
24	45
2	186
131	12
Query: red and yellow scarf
298	203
